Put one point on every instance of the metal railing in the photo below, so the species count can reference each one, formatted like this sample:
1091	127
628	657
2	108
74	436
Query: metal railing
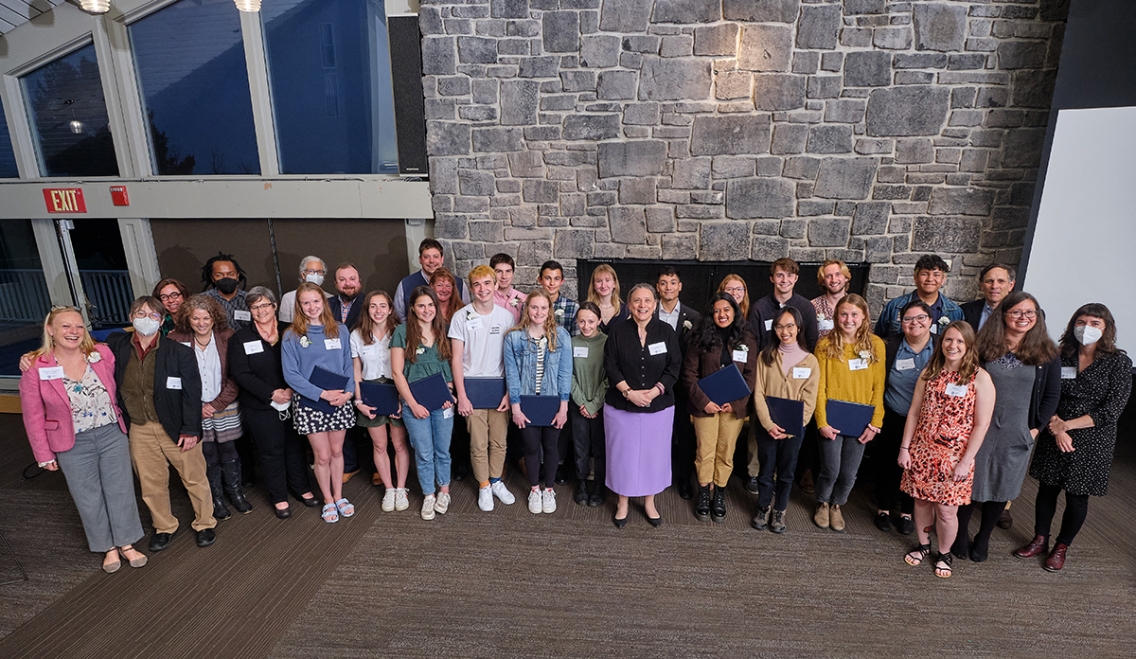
110	295
23	295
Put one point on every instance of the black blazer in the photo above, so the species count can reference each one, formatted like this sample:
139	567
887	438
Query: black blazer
260	373
179	410
685	314
626	360
972	312
337	309
1046	393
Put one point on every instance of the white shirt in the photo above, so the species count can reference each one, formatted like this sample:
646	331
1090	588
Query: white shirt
484	336
209	365
375	358
670	318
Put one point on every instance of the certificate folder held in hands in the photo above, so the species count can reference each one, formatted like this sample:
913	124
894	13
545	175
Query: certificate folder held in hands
849	419
328	381
382	397
431	392
788	414
725	386
485	393
540	410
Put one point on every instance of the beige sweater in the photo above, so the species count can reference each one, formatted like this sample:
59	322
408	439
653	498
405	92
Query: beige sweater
772	382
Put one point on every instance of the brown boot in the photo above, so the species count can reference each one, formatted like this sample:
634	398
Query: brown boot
821	516
1038	546
1056	559
836	519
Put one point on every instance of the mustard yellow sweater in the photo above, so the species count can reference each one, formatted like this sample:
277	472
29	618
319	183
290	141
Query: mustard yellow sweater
839	382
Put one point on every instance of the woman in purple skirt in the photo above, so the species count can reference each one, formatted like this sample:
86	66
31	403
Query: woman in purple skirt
643	363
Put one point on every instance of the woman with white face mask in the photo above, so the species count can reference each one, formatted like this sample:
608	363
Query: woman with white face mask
312	271
1075	454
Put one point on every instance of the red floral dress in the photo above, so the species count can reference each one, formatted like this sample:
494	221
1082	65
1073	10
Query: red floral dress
941	436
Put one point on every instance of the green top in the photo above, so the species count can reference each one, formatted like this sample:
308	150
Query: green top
427	360
589	381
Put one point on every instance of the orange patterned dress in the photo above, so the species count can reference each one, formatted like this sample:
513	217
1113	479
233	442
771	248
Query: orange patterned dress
945	421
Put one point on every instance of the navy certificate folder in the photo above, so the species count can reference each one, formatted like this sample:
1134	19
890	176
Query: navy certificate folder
382	397
431	392
725	386
485	393
789	414
849	419
540	410
328	381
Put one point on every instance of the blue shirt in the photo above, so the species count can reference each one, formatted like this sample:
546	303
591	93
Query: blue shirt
901	383
300	356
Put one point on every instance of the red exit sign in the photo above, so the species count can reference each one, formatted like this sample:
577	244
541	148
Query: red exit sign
64	200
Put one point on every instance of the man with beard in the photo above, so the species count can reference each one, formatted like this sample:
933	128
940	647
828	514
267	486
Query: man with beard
224	281
345	306
834	277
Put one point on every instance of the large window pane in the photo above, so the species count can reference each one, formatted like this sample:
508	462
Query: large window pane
195	90
329	70
69	117
24	300
7	157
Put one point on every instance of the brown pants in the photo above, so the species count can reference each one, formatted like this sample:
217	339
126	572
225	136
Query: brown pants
487	430
717	435
152	452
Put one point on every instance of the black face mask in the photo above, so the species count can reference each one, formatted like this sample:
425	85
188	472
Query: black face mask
228	285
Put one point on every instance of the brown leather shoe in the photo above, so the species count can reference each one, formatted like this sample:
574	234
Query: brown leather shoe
821	517
1056	559
1005	520
1038	546
836	519
348	474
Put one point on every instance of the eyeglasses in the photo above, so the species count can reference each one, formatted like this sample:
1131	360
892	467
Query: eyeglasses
143	314
315	272
917	319
169	296
263	305
734	289
781	328
1021	314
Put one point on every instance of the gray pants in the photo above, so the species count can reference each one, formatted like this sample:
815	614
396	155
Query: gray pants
839	461
101	481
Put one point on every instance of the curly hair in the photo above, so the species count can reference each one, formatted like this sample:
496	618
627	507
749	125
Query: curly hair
207	270
204	303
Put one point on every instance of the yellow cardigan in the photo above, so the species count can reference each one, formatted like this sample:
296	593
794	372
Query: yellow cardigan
772	381
839	382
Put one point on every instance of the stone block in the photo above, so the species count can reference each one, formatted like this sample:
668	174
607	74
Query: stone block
961	201
430	20
637	190
952	235
802	167
914	151
733	85
853	7
573	203
871	218
523	28
617	85
818	27
477	50
759	198
561	31
829	232
665	79
727	167
526	164
473	182
789	139
765	48
730	135
939	26
1022	148
845	111
687	11
439	56
492	140
519	100
1033	89
660	219
477	113
723	241
545	66
540	191
867	69
599	50
453	86
892	38
641	114
849	178
1021	54
591	127
824	87
774	91
832	61
679	45
628	225
691	174
573	244
509	8
813	208
892	192
768	248
625	16
907	111
794	228
716	40
636	158
761	11
447	138
854	37
806	62
830	139
680	247
769	166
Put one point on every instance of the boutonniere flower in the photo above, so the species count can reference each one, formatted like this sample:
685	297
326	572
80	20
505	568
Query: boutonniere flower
686	324
559	314
865	354
820	316
421	350
514	302
543	343
944	321
94	358
305	342
743	347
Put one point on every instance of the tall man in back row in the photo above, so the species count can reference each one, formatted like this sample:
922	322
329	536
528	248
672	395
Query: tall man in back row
430	257
930	277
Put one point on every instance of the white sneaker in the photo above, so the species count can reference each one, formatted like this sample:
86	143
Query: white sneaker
503	493
442	504
401	501
388	500
548	501
485	498
535	506
428	507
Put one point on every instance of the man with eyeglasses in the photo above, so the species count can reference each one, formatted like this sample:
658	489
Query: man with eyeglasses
995	282
312	269
930	277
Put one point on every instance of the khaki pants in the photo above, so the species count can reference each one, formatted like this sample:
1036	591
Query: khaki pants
487	430
717	435
754	466
151	452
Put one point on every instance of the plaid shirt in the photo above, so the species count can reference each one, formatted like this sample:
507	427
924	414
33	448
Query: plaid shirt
231	307
566	314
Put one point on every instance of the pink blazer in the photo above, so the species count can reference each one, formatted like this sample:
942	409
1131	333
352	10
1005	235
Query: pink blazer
47	409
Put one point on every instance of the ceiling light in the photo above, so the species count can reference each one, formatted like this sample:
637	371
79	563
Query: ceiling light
95	6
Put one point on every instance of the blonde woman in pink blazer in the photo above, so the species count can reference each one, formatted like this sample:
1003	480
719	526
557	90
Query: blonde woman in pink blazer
74	424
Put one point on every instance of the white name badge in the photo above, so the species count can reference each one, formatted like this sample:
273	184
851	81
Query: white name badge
241	314
186	344
657	348
825	325
741	356
473	323
768	325
580	351
1067	372
956	390
253	347
173	383
934	329
801	372
51	373
448	413
857	364
368	350
904	364
331	344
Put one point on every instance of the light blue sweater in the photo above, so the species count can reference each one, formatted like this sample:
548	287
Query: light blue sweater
299	361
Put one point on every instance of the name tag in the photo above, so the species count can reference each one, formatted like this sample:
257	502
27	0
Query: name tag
253	347
51	373
741	356
473	324
801	372
904	364
448	413
240	314
768	324
956	390
186	344
173	383
580	351
825	325
857	364
657	348
368	350
331	344
1067	372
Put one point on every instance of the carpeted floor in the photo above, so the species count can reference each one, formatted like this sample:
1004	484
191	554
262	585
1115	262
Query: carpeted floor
512	584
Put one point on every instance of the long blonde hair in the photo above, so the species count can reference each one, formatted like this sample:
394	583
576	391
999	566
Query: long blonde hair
550	324
833	343
300	322
593	296
87	345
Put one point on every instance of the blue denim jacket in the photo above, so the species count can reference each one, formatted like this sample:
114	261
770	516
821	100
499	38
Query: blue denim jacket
520	366
889	325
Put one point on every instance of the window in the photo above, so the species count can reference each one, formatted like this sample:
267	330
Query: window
69	117
195	89
329	73
7	156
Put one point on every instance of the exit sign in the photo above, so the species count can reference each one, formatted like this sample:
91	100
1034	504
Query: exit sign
64	200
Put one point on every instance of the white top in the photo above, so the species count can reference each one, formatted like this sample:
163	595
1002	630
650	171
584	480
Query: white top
484	338
375	358
670	318
209	365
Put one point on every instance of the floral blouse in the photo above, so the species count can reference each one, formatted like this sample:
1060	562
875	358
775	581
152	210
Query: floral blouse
91	406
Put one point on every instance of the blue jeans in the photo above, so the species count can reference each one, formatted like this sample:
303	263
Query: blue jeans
430	438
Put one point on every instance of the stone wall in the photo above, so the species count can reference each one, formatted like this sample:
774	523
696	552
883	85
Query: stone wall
867	130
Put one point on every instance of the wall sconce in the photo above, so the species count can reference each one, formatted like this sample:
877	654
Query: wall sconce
95	6
251	6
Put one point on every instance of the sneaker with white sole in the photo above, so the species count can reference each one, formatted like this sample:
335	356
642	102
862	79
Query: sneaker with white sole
502	493
535	505
442	504
485	498
388	500
548	501
401	501
428	507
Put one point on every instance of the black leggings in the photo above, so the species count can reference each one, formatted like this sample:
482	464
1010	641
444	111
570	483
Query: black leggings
991	511
1076	510
215	453
885	463
535	438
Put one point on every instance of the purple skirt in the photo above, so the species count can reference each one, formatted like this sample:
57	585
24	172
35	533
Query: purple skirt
638	451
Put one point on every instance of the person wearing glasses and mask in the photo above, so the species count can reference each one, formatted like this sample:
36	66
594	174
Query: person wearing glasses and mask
312	270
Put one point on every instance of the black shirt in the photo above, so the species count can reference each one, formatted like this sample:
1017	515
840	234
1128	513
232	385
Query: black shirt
626	360
765	311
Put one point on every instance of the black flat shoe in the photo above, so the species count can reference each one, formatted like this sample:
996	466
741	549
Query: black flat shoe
686	490
310	502
883	522
655	521
619	522
283	513
160	541
905	525
206	537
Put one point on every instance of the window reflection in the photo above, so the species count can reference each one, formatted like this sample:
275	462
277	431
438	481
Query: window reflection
7	156
69	117
329	72
195	90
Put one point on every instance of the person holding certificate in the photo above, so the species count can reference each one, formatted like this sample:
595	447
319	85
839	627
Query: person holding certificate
851	364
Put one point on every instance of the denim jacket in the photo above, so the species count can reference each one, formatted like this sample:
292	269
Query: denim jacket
889	325
520	366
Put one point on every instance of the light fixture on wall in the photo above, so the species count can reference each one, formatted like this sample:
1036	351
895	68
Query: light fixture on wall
75	125
95	6
248	5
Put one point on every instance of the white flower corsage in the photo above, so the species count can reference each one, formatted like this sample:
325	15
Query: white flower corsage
470	315
820	316
94	357
514	302
865	354
743	347
305	342
686	324
420	350
944	321
543	343
559	314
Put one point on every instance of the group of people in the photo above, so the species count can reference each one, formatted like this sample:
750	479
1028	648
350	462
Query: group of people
949	400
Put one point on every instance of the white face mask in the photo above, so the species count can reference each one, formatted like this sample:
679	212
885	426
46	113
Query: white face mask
146	326
313	278
1086	335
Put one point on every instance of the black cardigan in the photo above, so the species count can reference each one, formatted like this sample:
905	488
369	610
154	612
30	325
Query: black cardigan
179	410
626	360
1046	393
260	373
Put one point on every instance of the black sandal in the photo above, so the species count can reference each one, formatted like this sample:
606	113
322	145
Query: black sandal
917	555
943	560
